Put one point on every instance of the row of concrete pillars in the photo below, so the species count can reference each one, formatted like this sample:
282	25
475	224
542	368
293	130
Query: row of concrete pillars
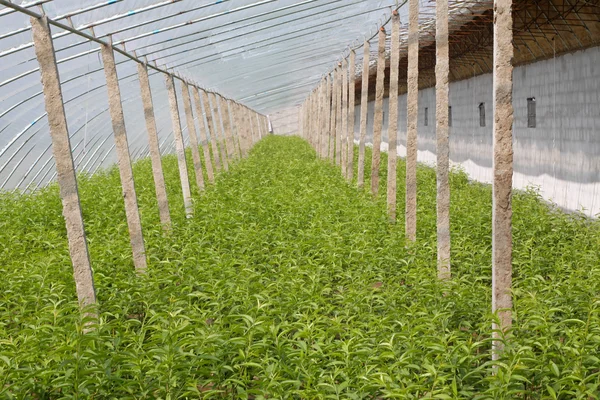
327	122
228	144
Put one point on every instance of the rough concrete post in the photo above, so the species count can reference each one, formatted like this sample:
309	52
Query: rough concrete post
311	119
351	95
258	127
393	120
412	115
211	128
323	113
203	136
318	104
326	131
333	126
301	121
364	110
442	68
503	171
61	149
129	196
378	114
244	124
251	127
179	147
344	136
244	131
237	128
327	116
224	106
217	127
189	118
338	116
249	132
157	170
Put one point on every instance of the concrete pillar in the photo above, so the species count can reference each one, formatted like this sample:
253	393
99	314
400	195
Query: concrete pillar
364	99
310	119
333	126
301	121
157	170
344	136
126	173
218	133
251	131
189	118
338	116
412	119
393	120
203	136
503	172
211	131
327	117
61	149
258	125
351	95
378	114
237	130
316	120
442	69
179	147
323	114
327	132
224	106
243	129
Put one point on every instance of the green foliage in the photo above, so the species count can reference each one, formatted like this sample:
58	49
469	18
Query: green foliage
290	283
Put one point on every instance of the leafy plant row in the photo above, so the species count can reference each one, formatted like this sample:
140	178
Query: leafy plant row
290	283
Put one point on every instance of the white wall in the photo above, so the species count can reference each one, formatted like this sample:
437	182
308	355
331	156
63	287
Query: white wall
561	155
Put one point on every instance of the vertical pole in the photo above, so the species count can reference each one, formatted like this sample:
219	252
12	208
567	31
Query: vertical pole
249	133
244	131
503	171
338	115
378	114
258	125
237	128
301	121
344	139
333	126
351	95
251	126
157	170
224	106
126	173
412	115
217	127
393	121
189	118
364	110
323	113
328	118
312	119
179	147
316	120
203	136
211	131
63	157
442	68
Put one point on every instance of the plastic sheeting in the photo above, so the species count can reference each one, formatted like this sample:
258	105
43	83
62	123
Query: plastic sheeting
266	54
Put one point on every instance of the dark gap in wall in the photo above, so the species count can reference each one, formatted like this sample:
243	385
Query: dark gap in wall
531	114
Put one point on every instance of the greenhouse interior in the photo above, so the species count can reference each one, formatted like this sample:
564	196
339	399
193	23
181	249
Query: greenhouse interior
300	199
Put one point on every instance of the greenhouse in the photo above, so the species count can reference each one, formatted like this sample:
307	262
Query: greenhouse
300	199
